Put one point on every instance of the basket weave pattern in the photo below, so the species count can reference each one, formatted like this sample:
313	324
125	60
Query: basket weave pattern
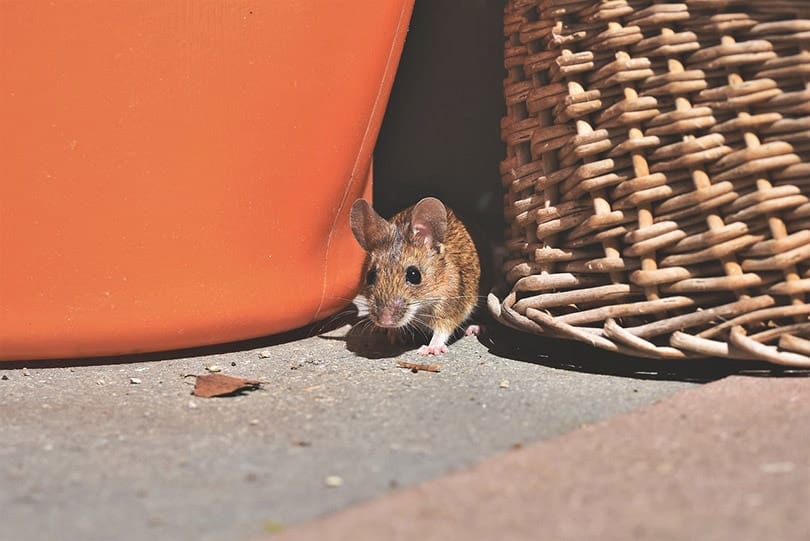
657	176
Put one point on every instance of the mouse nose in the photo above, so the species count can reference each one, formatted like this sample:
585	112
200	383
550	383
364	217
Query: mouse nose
390	313
386	317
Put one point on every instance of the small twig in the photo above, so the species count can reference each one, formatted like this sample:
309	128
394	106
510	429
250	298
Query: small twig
415	367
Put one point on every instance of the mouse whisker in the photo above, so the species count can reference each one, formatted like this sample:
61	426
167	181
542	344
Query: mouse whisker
416	327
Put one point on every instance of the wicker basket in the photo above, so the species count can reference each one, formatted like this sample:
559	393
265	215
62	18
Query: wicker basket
657	176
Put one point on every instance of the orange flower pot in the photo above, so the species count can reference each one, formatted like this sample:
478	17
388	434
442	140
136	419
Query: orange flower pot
179	174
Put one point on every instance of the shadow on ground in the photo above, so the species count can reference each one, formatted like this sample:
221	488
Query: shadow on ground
364	340
571	355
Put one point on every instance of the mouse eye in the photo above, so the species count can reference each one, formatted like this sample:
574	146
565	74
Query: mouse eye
371	276
412	275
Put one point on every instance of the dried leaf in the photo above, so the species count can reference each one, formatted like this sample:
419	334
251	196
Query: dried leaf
221	385
415	367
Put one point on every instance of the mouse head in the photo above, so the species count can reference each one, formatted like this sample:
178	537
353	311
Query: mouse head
405	272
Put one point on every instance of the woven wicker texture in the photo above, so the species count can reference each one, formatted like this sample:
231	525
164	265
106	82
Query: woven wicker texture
657	176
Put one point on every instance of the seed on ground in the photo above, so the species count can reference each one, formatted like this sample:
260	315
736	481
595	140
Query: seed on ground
333	481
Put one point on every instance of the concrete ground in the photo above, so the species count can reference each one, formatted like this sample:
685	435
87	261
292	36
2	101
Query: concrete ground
120	449
728	462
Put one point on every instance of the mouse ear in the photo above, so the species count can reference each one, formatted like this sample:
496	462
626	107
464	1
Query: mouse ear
429	221
369	228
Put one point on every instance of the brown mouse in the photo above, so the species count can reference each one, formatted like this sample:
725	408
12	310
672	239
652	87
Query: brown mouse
421	270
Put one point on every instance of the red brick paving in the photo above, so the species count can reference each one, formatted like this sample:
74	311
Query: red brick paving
726	461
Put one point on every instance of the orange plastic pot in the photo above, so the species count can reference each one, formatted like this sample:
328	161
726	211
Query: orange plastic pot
176	174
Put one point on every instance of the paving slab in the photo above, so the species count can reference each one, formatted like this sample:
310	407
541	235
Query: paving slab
119	449
728	461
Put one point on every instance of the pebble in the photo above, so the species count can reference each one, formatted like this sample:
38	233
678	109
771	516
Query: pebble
25	372
214	368
192	405
135	381
333	481
264	354
504	384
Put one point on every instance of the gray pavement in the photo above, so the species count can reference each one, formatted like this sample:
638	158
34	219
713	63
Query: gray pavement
87	454
728	461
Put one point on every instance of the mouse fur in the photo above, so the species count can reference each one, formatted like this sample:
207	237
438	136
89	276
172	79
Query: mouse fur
421	270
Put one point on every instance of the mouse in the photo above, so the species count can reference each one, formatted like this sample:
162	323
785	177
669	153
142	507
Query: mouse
421	271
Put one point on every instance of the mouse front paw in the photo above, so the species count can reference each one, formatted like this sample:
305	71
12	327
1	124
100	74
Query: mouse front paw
437	345
432	350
